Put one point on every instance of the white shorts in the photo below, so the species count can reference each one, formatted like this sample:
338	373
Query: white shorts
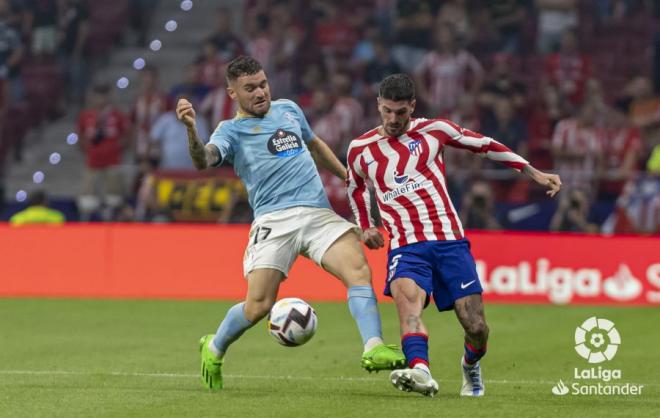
278	237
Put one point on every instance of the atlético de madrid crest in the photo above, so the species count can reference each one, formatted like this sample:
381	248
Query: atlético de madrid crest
415	147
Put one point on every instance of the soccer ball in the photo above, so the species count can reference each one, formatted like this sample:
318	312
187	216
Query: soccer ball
292	322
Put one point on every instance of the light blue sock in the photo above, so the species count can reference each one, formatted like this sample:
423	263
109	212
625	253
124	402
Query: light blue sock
364	308
232	327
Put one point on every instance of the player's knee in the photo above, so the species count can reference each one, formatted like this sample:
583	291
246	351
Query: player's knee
362	272
405	301
357	274
255	310
406	293
478	329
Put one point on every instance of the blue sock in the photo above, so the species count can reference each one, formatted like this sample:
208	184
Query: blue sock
473	354
232	327
364	308
416	348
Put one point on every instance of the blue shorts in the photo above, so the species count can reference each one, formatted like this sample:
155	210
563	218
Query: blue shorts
444	269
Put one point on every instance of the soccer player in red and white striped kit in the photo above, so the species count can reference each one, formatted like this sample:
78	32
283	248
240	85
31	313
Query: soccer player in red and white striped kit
428	252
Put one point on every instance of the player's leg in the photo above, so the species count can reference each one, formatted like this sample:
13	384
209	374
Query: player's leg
410	300
345	260
263	285
457	287
470	313
271	251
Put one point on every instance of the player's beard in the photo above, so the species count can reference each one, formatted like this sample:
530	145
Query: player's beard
396	129
261	108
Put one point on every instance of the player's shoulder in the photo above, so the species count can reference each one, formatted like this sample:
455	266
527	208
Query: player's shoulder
435	124
369	136
226	128
285	104
361	142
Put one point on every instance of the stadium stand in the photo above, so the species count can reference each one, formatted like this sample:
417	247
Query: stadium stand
324	56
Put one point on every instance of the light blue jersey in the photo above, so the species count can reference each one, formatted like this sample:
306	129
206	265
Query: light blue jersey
270	156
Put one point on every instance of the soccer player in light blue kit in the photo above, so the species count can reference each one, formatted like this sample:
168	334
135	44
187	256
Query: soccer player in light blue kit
274	151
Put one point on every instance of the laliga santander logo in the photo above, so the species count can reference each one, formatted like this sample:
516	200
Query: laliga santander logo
597	340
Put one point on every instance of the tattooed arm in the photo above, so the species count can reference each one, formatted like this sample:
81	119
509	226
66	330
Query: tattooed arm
203	156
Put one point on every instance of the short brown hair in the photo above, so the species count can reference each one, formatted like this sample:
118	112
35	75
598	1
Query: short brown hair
242	65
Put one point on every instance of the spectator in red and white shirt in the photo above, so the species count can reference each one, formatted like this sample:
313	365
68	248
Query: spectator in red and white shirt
211	66
546	111
569	69
334	33
218	106
260	45
326	123
102	133
622	145
349	110
577	150
449	71
148	106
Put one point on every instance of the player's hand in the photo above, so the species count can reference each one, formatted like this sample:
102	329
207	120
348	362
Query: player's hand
373	239
551	181
185	113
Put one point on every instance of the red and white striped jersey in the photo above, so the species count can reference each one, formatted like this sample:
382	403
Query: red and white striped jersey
408	173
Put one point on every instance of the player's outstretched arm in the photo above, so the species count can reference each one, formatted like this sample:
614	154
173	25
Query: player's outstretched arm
202	156
458	137
551	181
323	156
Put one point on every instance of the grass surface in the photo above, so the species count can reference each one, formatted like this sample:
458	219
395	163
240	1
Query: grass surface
91	358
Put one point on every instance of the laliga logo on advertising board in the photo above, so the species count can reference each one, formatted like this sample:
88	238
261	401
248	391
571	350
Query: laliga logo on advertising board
597	340
561	284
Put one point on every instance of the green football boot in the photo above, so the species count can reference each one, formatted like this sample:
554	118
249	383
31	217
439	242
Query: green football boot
383	357
211	365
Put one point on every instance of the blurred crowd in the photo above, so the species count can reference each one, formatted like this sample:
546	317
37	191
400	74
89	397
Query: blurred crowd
48	50
570	85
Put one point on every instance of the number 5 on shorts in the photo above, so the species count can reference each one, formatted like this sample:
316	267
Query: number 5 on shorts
266	231
392	267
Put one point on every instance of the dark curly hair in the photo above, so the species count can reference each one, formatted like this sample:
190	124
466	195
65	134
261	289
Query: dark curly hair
397	87
242	65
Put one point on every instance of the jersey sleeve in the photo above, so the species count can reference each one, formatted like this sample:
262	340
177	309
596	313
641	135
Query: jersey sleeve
306	130
458	137
222	138
358	193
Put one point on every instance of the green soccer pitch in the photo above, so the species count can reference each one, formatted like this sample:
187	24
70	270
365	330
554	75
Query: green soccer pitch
108	358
